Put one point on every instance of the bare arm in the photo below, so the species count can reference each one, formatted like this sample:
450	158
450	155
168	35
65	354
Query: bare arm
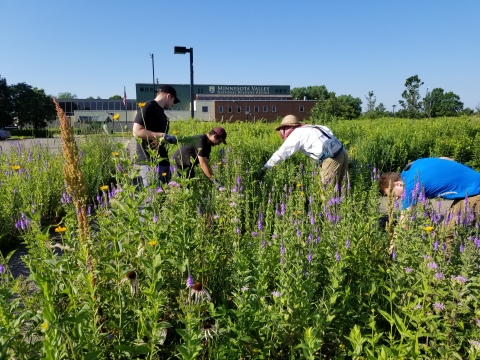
205	165
142	133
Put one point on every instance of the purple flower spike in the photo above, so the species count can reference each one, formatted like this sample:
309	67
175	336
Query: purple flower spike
190	281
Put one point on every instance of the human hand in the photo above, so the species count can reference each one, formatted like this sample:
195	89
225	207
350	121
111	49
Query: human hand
170	138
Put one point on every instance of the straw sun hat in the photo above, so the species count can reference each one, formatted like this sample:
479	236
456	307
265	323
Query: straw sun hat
289	120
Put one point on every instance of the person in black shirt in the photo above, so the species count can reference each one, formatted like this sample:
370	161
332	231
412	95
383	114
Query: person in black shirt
197	151
151	126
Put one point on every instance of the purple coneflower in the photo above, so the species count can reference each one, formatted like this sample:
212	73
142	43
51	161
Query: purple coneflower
174	184
132	277
199	293
432	265
208	329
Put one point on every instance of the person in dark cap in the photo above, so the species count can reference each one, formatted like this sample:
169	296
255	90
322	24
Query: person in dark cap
197	152
151	126
309	140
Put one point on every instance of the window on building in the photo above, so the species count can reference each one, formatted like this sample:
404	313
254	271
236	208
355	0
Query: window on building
131	105
247	109
274	108
265	109
239	109
142	89
220	109
118	105
255	109
229	109
302	109
111	105
204	108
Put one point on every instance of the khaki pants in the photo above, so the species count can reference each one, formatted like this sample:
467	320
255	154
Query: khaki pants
335	169
459	212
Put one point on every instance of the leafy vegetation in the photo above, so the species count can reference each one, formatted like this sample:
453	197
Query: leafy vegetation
252	270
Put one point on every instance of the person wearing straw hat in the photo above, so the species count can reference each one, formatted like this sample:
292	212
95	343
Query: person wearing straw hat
310	140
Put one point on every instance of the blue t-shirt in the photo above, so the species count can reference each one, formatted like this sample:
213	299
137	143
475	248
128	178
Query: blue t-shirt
439	178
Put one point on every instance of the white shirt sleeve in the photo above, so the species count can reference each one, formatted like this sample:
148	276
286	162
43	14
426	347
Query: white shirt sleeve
289	147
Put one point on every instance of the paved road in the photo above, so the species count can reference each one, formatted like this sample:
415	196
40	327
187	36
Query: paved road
54	144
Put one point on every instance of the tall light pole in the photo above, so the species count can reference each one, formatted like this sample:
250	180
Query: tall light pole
182	50
393	107
153	76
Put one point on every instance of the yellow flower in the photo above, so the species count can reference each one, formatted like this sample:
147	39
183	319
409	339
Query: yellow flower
219	163
116	116
60	229
175	132
115	153
342	346
104	187
302	193
164	174
45	325
21	137
298	185
16	167
141	104
152	242
428	229
298	212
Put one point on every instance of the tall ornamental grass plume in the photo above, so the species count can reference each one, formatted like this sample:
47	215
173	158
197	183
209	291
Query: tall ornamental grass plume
73	176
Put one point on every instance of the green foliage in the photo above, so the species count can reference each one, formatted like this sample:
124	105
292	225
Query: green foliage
115	97
31	106
282	269
310	92
66	95
412	106
439	103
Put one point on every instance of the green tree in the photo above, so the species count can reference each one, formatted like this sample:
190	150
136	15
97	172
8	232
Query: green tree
90	98
444	104
31	106
412	104
343	107
66	95
349	107
115	97
310	92
5	104
370	109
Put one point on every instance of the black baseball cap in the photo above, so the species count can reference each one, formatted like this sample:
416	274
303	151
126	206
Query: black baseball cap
167	89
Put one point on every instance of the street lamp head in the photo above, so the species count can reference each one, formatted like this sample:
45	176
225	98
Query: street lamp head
179	50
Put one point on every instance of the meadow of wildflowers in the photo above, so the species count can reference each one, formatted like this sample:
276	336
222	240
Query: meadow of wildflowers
275	269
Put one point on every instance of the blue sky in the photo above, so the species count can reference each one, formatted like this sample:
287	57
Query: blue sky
95	48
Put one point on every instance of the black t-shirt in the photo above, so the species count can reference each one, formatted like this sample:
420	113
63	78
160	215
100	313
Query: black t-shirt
197	146
152	117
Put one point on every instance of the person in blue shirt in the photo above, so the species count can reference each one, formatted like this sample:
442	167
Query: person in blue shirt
431	178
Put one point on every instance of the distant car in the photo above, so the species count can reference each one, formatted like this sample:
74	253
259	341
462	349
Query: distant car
4	134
